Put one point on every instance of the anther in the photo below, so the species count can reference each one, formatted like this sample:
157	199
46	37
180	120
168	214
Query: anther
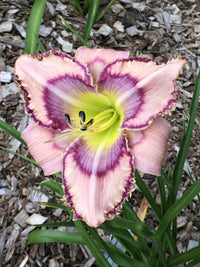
83	128
82	115
89	123
67	117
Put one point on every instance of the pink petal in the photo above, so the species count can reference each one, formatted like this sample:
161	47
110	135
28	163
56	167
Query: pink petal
149	146
97	59
142	88
48	155
51	83
97	182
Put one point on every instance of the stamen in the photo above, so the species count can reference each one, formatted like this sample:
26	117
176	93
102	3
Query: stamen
100	122
58	137
67	117
89	123
83	128
82	115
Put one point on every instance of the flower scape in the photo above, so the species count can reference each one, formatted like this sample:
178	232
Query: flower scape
98	117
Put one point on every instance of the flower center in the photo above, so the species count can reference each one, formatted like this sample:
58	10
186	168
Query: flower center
99	123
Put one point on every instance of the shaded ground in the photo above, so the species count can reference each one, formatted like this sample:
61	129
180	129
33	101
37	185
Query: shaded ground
159	29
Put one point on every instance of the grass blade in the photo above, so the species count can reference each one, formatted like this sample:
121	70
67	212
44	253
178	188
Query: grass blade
12	131
33	26
47	236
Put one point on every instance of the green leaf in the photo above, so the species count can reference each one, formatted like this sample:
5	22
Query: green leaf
53	205
161	186
12	131
125	238
54	186
177	207
155	208
105	10
74	32
129	214
92	245
77	5
147	194
160	257
33	26
47	193
93	8
178	169
137	227
47	236
20	155
185	257
117	255
41	47
86	5
56	224
194	263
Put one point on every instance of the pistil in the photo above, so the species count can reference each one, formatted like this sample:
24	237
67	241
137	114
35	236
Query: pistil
104	120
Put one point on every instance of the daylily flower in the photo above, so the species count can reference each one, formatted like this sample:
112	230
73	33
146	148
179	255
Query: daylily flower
97	119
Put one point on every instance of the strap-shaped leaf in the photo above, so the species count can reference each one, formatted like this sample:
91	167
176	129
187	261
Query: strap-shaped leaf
93	246
192	254
93	8
178	169
12	131
47	236
177	207
20	155
54	186
33	26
